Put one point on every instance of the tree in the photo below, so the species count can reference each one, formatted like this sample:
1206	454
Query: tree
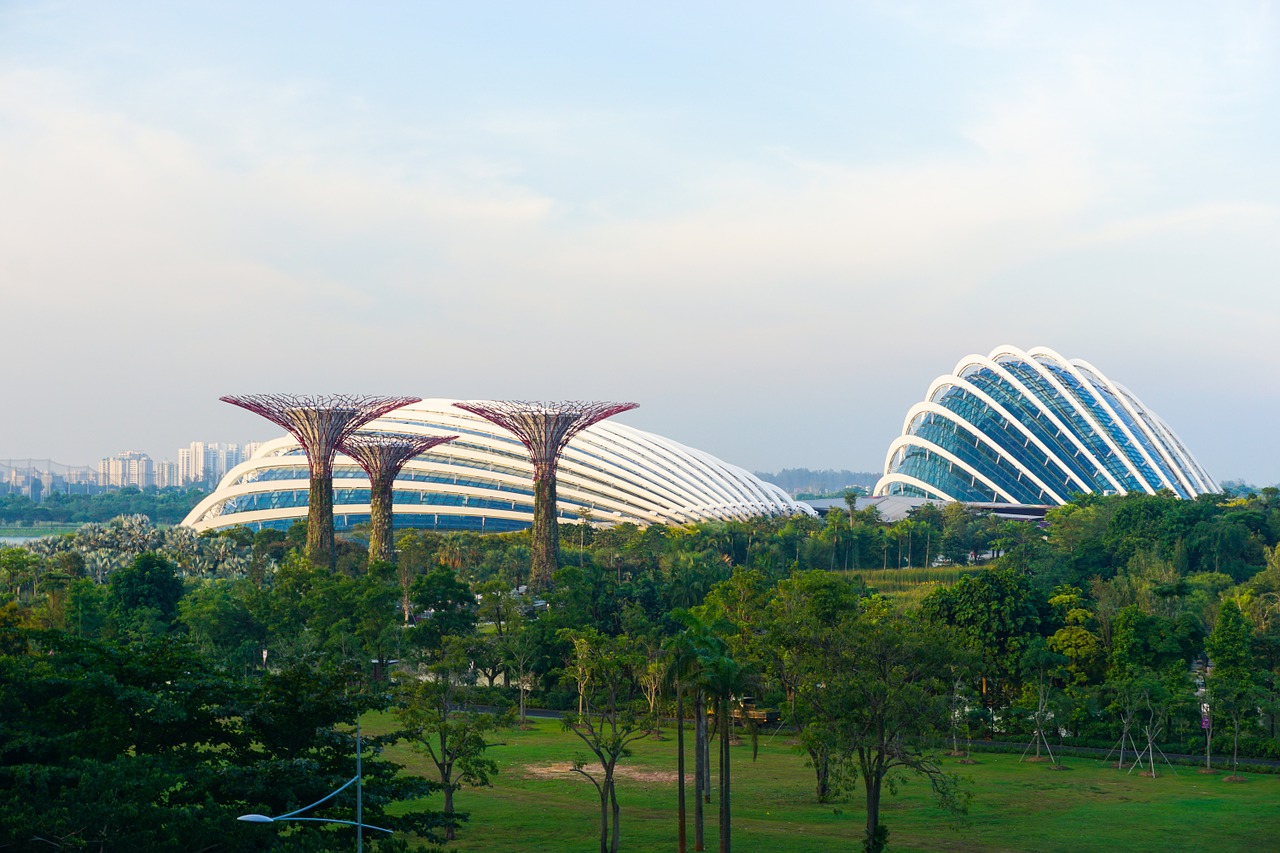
881	684
691	649
451	608
433	712
608	721
806	604
682	668
146	590
1040	665
1231	685
150	747
996	613
725	680
520	651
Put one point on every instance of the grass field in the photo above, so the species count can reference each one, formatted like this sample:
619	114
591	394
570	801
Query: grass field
536	804
16	531
908	587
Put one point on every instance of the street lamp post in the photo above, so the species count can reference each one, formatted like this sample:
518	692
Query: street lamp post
358	823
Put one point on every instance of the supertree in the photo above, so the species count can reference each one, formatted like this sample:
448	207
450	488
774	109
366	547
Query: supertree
382	455
319	423
544	428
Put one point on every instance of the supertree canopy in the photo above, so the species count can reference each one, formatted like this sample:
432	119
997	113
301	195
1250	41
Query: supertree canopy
320	423
544	428
382	455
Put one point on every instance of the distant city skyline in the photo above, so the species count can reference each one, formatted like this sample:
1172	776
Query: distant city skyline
201	463
769	226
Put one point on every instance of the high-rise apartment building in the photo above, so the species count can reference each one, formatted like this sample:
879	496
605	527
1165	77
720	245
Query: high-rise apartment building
166	474
130	468
203	463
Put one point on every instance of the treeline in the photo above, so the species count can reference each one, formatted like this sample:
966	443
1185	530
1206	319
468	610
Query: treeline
163	506
1110	625
828	481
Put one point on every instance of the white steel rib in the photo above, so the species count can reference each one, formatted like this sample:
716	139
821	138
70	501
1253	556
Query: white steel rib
1013	401
483	480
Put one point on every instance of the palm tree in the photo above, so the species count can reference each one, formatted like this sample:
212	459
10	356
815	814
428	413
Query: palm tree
725	679
682	669
703	644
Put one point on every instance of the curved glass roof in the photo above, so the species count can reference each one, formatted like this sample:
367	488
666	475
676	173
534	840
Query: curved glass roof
484	481
1033	427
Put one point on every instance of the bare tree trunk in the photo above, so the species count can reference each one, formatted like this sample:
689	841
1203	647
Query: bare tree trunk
450	832
874	842
1235	752
406	580
613	803
822	769
604	815
725	818
699	769
682	840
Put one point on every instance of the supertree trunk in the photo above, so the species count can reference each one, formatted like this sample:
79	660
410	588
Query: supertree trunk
320	424
545	548
544	428
319	548
380	509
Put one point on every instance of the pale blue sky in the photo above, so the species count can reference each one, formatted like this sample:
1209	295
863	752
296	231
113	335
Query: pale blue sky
769	225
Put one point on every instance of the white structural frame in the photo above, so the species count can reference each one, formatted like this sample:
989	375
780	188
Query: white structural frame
620	473
931	408
1174	469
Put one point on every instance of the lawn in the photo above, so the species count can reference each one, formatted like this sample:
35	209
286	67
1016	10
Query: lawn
17	531
536	804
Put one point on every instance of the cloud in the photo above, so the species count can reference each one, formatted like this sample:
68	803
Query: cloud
233	220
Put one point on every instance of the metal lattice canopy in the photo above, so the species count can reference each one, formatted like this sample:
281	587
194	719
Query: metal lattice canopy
544	427
385	453
319	422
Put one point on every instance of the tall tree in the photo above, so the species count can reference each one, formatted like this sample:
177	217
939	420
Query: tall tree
608	720
725	680
804	605
882	684
433	710
1232	689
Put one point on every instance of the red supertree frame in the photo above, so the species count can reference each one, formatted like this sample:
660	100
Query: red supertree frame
544	428
320	423
382	455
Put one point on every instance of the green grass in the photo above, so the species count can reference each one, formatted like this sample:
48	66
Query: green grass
536	805
908	587
38	529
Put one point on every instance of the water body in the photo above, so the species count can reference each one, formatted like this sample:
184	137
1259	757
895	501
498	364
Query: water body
18	540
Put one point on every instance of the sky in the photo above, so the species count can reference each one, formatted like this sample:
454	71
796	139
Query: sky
771	225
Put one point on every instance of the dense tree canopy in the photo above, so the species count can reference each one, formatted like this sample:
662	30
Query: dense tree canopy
175	670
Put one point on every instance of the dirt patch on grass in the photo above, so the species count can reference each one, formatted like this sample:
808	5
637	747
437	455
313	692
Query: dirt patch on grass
560	770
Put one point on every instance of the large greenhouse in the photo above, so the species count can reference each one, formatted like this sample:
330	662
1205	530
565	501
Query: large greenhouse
483	481
1035	428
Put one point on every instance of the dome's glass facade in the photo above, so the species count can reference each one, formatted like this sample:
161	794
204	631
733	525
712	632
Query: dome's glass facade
1035	428
483	481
